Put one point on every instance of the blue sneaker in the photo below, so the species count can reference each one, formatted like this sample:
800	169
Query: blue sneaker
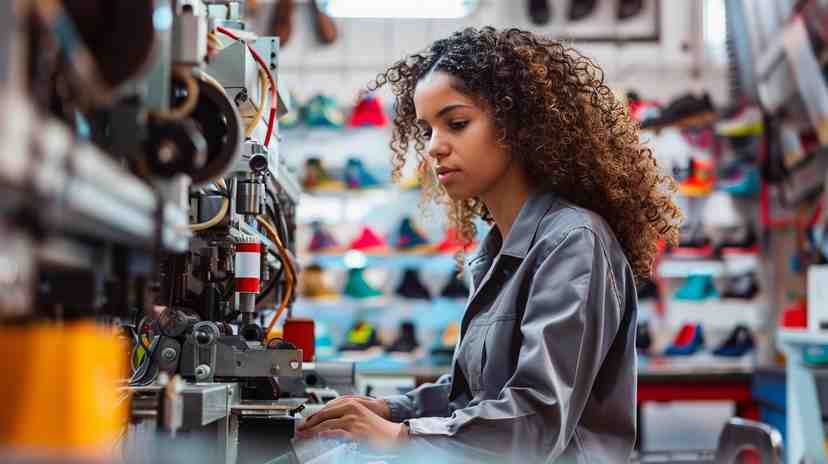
411	239
697	287
744	182
357	177
689	340
322	111
738	343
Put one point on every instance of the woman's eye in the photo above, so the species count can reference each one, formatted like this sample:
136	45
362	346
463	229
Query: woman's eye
458	125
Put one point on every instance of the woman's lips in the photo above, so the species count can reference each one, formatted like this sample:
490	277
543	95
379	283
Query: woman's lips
445	175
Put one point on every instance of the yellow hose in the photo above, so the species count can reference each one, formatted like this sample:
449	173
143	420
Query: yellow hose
225	206
183	110
290	274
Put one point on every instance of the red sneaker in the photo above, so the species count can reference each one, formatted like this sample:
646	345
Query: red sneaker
368	113
369	241
452	243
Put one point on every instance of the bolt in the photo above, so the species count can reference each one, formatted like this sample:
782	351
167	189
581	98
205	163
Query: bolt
202	371
274	370
168	354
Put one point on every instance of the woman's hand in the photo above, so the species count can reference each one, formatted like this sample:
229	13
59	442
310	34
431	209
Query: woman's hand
357	418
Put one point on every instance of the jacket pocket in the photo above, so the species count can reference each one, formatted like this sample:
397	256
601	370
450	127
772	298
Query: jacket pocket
497	355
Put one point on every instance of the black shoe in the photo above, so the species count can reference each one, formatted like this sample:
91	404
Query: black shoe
643	340
739	237
681	108
539	11
629	8
739	342
647	290
691	235
412	287
455	288
744	286
406	341
580	9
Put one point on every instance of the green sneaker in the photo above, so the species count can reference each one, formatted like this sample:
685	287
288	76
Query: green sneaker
322	111
358	287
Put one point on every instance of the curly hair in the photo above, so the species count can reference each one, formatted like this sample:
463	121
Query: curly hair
555	114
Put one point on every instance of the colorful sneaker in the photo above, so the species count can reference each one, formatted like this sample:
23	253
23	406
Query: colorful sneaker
322	241
406	340
357	176
688	341
748	121
643	110
361	336
738	240
455	288
741	181
369	242
322	111
700	181
357	287
453	243
317	177
412	287
687	110
368	113
738	343
697	287
743	287
410	239
312	284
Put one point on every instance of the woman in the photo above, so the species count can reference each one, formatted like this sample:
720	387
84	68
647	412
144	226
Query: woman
521	131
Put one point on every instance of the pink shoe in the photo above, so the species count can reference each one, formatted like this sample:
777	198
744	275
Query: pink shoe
369	242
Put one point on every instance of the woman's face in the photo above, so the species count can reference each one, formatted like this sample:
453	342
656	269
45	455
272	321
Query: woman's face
461	138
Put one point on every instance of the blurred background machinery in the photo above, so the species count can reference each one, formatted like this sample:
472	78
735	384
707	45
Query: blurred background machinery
147	221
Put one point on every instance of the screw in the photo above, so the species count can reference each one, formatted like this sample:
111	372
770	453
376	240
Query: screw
168	354
202	371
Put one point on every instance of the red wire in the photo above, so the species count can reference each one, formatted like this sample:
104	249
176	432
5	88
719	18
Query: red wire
271	119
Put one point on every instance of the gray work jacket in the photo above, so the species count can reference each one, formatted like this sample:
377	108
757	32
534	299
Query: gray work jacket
545	368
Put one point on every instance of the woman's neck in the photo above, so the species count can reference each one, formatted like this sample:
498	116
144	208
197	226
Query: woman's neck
505	199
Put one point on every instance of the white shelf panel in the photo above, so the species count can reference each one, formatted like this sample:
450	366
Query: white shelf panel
679	268
673	268
716	313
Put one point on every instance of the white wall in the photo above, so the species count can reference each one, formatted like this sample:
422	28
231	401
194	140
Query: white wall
366	46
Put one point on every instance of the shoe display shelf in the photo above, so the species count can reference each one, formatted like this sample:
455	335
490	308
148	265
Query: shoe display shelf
669	268
424	262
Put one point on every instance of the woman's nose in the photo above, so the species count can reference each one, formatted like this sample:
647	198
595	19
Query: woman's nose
438	149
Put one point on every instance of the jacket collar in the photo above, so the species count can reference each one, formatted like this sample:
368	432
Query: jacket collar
523	232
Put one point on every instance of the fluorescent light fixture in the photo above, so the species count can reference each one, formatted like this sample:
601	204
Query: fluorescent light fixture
398	8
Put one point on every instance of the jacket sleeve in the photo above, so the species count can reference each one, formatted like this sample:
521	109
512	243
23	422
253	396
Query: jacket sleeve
431	400
571	317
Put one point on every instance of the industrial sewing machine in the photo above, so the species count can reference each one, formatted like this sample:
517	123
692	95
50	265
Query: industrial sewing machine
144	199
